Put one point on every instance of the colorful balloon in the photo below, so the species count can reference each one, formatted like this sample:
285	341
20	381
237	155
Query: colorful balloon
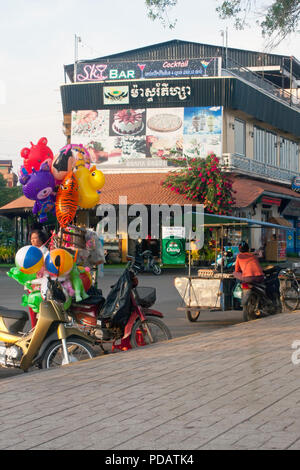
65	161
67	200
36	155
59	262
90	181
39	186
29	259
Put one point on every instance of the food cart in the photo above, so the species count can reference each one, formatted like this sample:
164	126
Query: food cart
212	290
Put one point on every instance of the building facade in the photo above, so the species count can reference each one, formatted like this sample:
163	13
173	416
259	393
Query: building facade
6	171
137	109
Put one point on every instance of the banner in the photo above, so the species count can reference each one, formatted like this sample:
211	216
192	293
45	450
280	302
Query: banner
105	71
148	138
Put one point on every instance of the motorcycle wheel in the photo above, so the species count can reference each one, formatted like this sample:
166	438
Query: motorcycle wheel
250	309
290	297
156	269
158	330
192	315
78	350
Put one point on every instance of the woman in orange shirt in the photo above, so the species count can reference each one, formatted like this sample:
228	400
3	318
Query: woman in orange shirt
247	267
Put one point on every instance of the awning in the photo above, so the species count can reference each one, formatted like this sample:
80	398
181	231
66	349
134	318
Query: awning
224	220
249	190
280	221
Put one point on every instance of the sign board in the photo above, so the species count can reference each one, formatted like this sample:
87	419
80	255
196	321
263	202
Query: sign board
146	137
173	245
145	69
296	184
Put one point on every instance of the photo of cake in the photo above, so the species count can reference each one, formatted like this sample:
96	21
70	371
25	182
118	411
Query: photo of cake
128	121
164	122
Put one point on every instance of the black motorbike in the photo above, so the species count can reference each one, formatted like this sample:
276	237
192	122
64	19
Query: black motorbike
262	299
149	264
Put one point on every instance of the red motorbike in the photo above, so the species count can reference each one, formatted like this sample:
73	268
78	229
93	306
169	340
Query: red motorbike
125	318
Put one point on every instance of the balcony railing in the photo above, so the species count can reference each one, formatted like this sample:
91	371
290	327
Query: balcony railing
236	163
257	81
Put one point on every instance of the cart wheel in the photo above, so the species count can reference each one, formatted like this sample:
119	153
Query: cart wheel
192	315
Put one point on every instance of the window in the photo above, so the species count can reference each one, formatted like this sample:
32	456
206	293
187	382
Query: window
239	137
289	155
265	146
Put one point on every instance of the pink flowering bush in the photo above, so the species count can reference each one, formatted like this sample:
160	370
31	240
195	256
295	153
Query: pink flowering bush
202	180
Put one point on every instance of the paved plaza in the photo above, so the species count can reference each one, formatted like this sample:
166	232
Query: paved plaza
235	388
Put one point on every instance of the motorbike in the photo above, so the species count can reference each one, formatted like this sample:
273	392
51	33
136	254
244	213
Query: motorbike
124	318
262	299
51	343
226	260
150	265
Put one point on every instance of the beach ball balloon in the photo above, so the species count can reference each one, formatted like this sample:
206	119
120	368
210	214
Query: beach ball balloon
29	259
59	262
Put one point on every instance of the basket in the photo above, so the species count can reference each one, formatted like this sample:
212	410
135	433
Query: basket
145	296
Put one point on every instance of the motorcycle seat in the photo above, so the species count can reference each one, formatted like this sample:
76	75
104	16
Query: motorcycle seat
93	300
15	314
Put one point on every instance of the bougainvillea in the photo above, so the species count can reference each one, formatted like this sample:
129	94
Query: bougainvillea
204	181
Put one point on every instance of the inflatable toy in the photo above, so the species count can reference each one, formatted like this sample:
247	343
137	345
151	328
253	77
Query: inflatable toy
66	159
90	181
86	277
67	200
32	300
39	186
29	259
59	262
19	276
36	155
77	284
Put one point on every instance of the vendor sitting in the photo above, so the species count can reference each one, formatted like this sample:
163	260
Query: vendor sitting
247	267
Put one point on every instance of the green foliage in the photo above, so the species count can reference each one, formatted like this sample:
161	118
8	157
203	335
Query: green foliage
7	254
204	181
278	18
277	21
158	10
8	194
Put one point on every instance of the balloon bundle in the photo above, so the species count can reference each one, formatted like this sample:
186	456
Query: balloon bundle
59	184
33	271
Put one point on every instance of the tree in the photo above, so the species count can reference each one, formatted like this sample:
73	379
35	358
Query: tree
204	181
8	194
277	20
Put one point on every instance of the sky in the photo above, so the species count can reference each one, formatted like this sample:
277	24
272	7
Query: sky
37	39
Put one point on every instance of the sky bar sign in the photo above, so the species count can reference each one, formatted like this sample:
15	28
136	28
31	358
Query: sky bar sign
108	71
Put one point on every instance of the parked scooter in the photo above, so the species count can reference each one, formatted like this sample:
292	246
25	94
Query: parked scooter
50	344
262	299
150	265
225	261
125	317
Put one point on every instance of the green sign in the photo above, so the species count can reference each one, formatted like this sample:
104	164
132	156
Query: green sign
173	247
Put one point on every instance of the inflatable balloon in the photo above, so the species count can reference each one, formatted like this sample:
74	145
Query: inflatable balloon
19	276
59	262
90	181
77	284
32	300
67	200
39	186
29	259
65	161
36	155
86	277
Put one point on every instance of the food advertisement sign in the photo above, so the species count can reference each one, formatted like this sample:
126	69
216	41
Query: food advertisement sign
148	138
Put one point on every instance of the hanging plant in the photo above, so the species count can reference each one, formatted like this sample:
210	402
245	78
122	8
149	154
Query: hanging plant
202	180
